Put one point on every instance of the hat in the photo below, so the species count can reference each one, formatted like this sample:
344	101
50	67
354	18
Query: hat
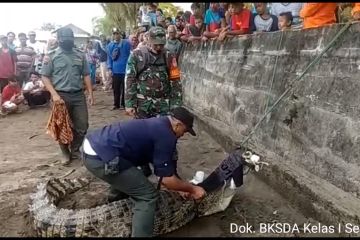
65	34
157	35
183	115
115	30
31	33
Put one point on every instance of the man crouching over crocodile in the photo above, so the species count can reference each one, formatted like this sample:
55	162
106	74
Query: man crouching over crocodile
113	153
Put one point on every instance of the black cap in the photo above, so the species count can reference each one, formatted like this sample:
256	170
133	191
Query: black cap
65	33
183	115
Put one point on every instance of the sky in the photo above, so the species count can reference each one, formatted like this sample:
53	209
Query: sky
24	17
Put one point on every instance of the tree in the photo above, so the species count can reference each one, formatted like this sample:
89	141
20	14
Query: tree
121	15
49	26
169	9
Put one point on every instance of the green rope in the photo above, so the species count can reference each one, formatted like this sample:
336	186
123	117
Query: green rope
332	42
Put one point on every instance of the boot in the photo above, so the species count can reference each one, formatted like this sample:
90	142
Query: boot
65	160
75	153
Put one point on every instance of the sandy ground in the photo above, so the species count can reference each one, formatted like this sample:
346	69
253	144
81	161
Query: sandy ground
29	155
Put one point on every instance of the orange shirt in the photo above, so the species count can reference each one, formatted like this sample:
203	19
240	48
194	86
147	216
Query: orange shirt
355	9
318	14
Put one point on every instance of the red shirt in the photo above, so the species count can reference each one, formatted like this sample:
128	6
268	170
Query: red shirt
241	21
9	91
7	65
192	19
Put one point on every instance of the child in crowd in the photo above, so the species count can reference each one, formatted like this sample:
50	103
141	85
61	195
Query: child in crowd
285	21
11	97
240	21
92	58
197	30
35	92
196	10
214	21
263	21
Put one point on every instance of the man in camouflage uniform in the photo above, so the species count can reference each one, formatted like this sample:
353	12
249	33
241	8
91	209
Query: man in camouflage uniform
147	84
148	89
64	72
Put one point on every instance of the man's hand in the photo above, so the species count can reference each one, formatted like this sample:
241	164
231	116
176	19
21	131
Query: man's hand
56	98
185	195
130	111
91	100
356	16
198	193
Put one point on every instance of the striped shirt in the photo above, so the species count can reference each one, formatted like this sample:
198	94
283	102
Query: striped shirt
25	57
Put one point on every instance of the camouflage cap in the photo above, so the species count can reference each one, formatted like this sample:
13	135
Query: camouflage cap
157	35
65	34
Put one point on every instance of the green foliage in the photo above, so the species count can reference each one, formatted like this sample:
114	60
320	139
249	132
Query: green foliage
120	15
169	9
344	15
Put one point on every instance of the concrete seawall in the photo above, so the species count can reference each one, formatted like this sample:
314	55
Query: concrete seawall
312	140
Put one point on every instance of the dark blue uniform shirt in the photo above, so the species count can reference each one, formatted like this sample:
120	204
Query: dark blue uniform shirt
137	142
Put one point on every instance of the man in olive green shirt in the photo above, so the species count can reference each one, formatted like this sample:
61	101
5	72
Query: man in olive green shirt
64	72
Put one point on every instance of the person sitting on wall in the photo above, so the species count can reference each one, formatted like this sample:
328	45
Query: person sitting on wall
196	31
240	21
285	21
356	11
318	14
263	21
35	92
11	97
214	21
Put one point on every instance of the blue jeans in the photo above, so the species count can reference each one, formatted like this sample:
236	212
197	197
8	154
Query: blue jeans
92	73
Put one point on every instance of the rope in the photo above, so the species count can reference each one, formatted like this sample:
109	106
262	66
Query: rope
271	81
296	80
274	72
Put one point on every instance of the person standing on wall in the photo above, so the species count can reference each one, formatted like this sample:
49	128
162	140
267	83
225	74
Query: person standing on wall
118	54
64	72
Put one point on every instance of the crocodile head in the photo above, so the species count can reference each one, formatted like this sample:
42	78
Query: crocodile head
222	184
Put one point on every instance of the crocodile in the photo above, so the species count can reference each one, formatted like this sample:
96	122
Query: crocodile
114	219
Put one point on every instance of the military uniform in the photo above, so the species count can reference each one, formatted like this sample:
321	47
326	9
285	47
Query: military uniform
148	86
66	70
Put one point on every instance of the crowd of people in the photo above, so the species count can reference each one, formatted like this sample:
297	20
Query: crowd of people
221	20
20	81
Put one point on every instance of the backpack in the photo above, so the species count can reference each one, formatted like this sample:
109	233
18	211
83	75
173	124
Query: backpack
173	71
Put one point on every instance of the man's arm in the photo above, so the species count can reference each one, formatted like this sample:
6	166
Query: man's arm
87	80
165	167
54	95
174	183
109	58
237	32
46	72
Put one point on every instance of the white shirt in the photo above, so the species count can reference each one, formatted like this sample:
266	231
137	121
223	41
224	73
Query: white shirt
30	85
39	47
